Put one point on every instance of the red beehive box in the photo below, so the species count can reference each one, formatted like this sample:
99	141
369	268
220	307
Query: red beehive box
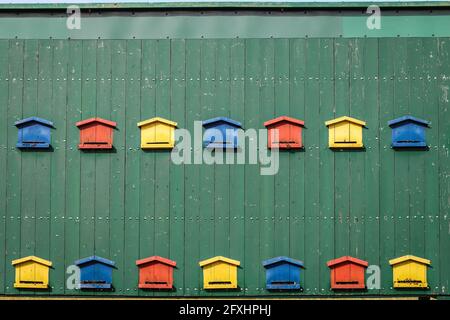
289	133
96	133
155	273
347	273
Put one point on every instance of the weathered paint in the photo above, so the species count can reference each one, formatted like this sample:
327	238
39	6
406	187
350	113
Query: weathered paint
347	273
95	272
221	132
283	273
31	272
284	133
129	204
410	272
33	132
219	273
156	273
345	132
157	133
96	133
408	132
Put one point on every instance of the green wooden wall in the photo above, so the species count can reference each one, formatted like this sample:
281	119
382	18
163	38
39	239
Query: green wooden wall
374	204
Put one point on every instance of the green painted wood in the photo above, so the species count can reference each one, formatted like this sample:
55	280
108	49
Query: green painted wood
73	160
4	98
386	177
326	166
147	179
237	172
132	163
58	170
312	160
375	204
118	174
193	275
177	173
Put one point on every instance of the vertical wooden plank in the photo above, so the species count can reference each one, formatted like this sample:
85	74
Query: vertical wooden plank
282	186
147	190
208	96
252	204
357	179
267	185
73	177
162	159
44	159
416	157
312	193
372	160
193	277
387	179
4	147
117	187
431	160
326	165
58	166
444	140
28	206
177	172
297	164
237	172
341	158
132	164
87	192
401	107
13	161
103	158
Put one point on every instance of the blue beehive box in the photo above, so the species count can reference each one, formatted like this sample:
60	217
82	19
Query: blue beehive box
95	272
33	132
221	132
408	132
282	273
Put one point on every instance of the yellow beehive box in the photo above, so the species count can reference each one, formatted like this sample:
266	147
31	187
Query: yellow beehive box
410	272
157	133
31	272
219	273
345	132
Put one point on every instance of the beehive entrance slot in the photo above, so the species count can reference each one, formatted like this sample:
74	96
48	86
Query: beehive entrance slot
99	142
282	282
347	282
160	142
32	282
409	281
93	282
220	282
155	282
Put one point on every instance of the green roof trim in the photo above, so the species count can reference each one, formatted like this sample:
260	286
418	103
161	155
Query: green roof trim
225	5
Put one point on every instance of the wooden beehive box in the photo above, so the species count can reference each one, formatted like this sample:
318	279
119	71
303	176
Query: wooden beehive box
157	133
219	273
408	132
95	272
34	132
284	133
410	272
31	272
221	133
345	132
347	273
96	133
283	273
156	273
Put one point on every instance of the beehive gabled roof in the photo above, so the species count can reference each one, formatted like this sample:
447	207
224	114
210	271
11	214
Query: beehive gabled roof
360	262
32	258
222	119
157	119
284	118
97	259
219	258
34	119
410	119
99	120
345	118
407	258
272	261
156	258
